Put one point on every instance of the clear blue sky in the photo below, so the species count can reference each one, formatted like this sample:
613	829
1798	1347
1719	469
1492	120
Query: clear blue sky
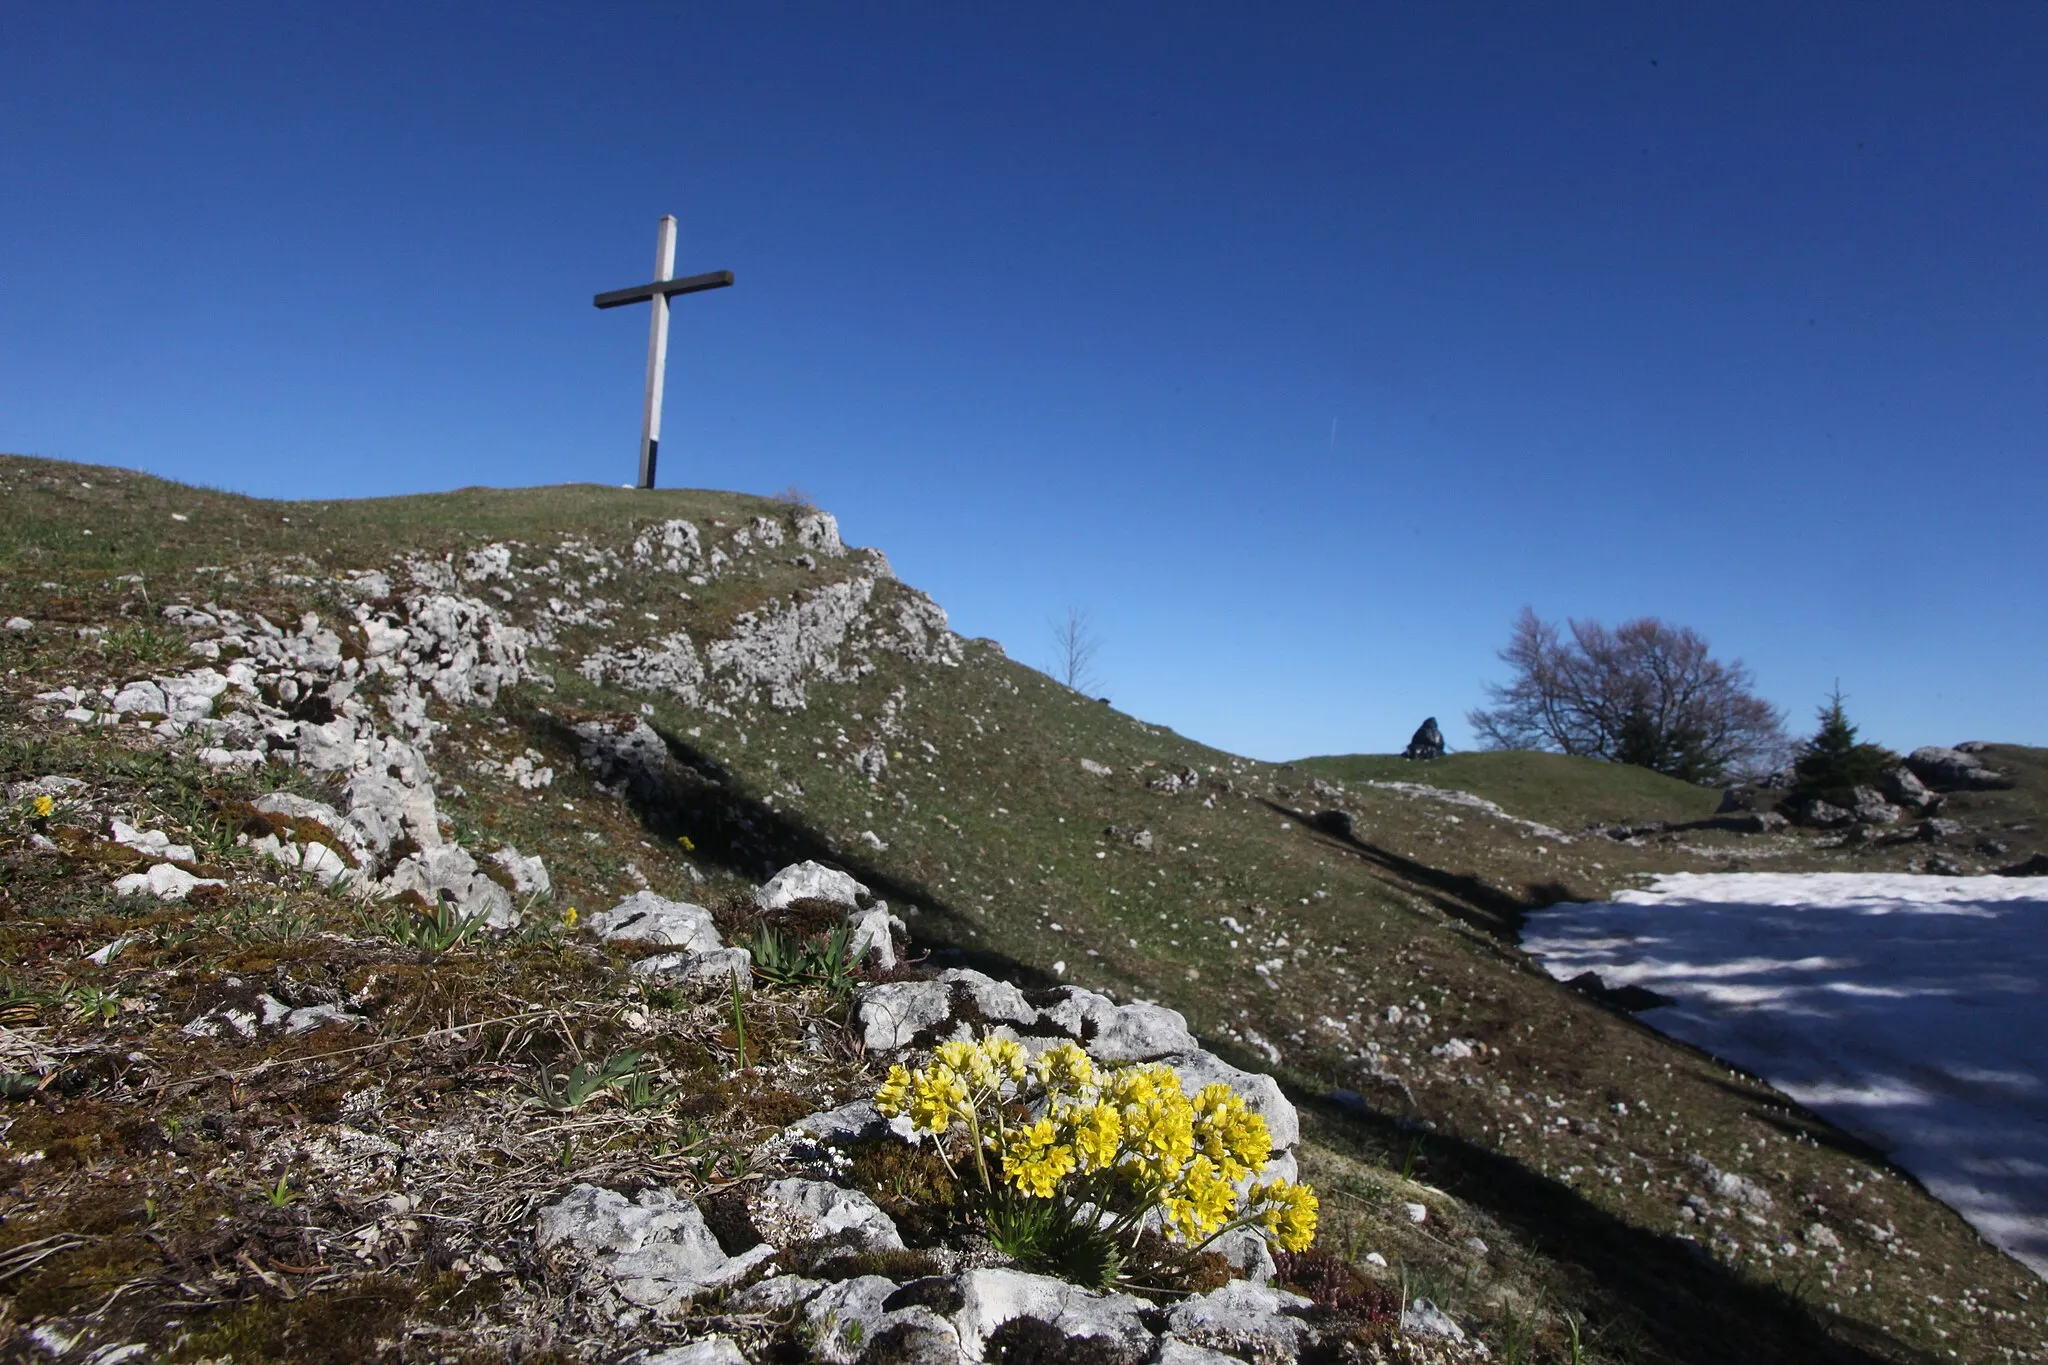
1301	346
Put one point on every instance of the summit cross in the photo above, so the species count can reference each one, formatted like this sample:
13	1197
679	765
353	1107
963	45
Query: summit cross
657	293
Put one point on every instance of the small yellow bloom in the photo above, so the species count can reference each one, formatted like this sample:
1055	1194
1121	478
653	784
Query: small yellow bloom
937	1095
1065	1067
569	918
894	1092
1289	1217
1006	1056
44	805
1034	1159
1097	1131
689	844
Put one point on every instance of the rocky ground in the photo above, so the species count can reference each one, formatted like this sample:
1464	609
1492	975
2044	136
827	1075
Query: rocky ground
403	948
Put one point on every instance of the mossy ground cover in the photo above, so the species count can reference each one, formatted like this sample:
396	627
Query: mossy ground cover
1278	937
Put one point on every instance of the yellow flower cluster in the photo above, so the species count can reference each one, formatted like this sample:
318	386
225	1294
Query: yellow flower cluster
43	805
1127	1139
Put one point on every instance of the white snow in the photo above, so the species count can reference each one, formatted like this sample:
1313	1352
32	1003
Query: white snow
1909	1010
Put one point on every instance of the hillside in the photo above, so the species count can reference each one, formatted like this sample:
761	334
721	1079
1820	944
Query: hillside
687	691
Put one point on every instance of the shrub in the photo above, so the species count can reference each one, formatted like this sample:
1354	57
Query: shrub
1068	1163
1834	763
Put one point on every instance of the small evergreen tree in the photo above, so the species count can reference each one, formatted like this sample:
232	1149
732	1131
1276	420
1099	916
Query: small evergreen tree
1833	763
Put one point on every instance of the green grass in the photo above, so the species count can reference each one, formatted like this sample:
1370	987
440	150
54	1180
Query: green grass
1552	789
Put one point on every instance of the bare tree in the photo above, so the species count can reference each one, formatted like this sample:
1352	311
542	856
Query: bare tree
1645	693
1074	646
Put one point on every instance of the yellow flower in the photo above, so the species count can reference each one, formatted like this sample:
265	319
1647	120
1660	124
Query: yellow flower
1006	1056
689	844
1289	1217
1097	1131
937	1097
894	1092
1201	1202
43	806
1034	1160
569	918
1065	1067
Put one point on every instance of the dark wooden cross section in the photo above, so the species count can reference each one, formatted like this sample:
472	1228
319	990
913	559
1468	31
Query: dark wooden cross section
658	292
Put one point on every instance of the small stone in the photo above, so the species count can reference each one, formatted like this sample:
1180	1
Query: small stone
20	625
809	881
165	882
1421	1318
1417	1213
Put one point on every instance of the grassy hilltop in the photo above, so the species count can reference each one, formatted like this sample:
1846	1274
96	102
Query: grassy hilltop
1018	827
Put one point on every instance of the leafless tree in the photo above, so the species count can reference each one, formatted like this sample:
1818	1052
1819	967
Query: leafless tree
1646	693
1074	647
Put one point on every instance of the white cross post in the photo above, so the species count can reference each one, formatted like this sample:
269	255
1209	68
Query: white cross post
658	293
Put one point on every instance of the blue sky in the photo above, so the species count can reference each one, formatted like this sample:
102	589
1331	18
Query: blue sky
1300	347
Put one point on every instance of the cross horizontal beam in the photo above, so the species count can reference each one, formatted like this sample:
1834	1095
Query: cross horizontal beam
641	293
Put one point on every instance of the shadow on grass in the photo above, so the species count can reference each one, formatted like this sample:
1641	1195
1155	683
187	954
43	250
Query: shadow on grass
1468	899
729	827
1657	1297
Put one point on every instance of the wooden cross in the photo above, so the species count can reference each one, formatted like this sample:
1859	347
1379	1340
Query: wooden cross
657	292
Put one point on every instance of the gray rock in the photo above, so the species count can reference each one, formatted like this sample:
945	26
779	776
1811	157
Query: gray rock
1242	1317
164	881
655	1251
719	966
1171	1350
627	753
816	1209
819	531
529	875
1953	770
1899	785
1421	1318
644	917
1762	822
1824	815
853	1122
1870	808
20	625
873	931
990	1298
711	1350
1939	828
447	875
1139	839
1118	1033
777	1294
1094	769
809	881
846	1319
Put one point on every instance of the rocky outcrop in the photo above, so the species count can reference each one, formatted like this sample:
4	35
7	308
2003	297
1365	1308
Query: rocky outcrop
1954	770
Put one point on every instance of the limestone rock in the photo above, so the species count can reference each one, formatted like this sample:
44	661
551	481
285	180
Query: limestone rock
809	881
1421	1318
716	966
873	931
448	875
529	875
1242	1317
644	917
988	1299
810	1210
164	881
711	1350
1953	770
654	1252
847	1320
152	843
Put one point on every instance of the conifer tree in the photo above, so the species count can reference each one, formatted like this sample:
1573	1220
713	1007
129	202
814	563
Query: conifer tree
1834	762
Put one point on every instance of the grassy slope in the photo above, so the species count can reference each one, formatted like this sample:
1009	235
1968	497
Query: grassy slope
1553	789
995	841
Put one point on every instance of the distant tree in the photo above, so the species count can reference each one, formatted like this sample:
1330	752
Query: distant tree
1832	764
1645	693
1074	649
